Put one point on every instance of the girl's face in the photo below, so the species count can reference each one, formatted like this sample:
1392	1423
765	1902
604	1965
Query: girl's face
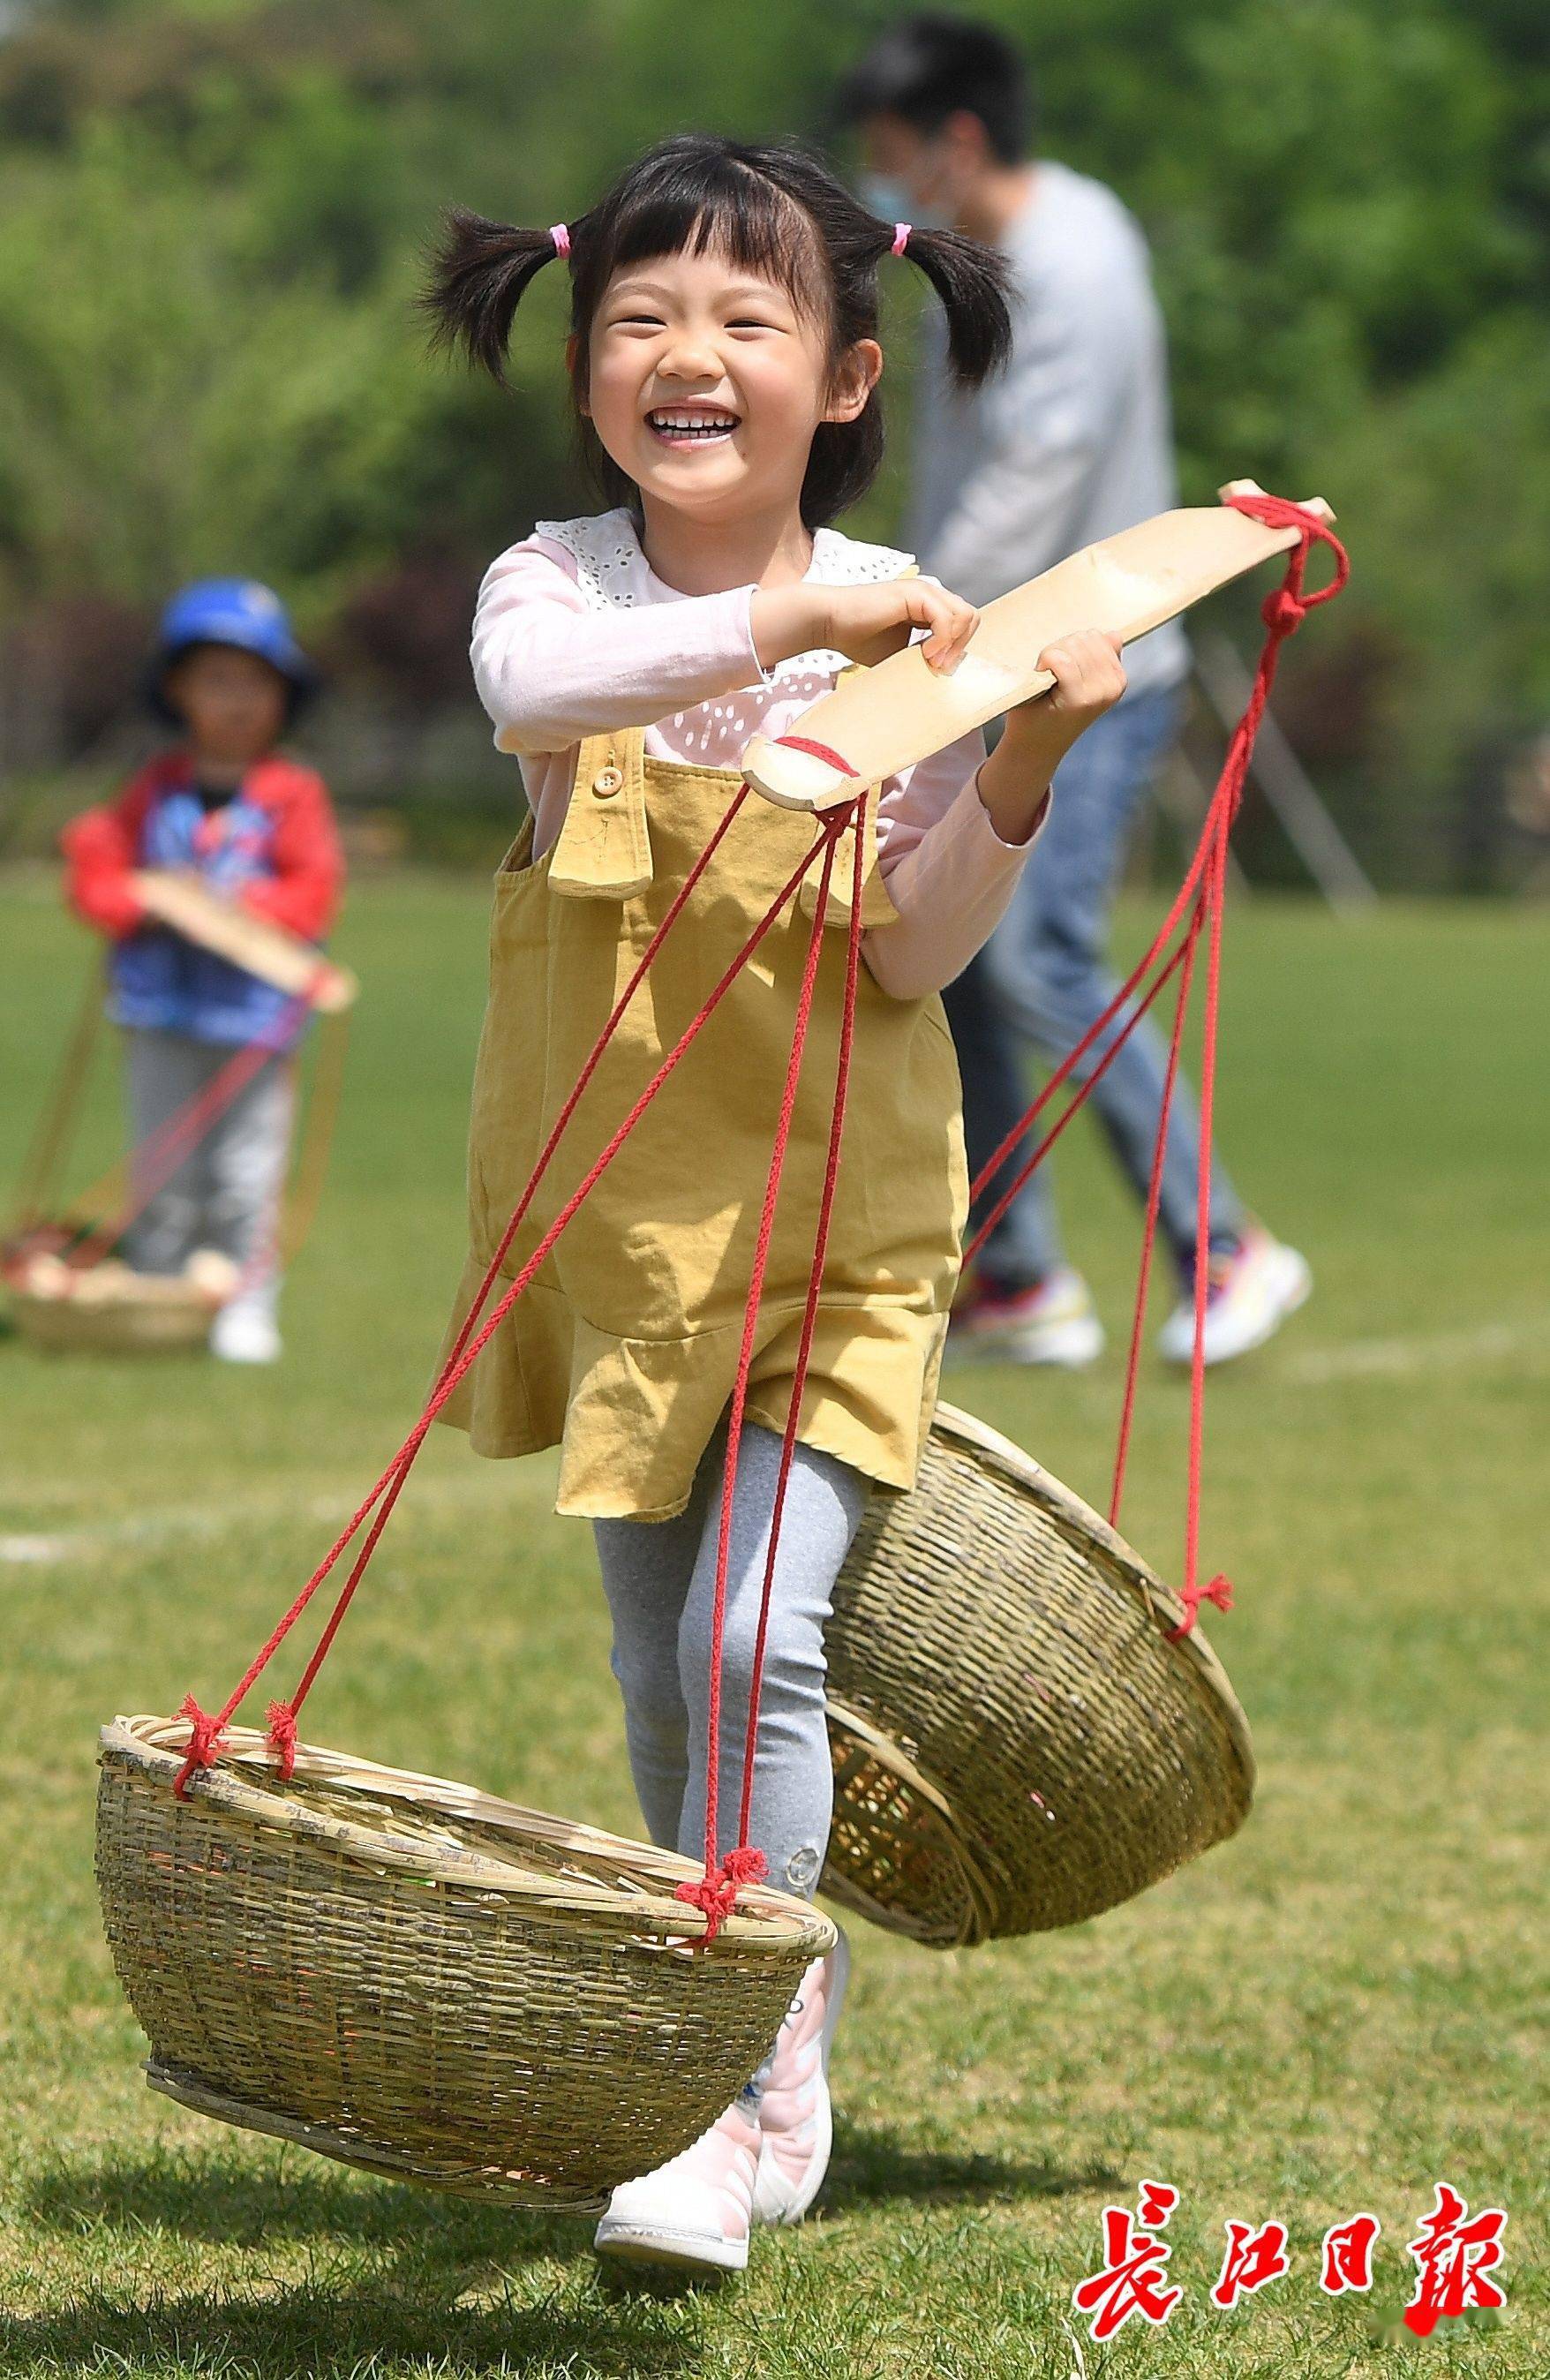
233	703
706	384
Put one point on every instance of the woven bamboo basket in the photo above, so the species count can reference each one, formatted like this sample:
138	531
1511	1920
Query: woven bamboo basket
418	1979
107	1310
1017	1743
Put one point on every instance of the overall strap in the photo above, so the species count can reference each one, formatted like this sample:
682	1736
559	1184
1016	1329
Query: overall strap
604	849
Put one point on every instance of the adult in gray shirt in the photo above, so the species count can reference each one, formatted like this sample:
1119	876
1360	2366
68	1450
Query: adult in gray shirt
1072	443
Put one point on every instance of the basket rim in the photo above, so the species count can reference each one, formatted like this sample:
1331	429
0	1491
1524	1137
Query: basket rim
1071	1511
763	1916
189	2089
172	1293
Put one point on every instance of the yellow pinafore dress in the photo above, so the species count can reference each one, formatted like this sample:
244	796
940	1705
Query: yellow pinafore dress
624	1349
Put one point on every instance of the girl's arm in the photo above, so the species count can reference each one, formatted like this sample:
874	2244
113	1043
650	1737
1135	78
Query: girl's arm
549	671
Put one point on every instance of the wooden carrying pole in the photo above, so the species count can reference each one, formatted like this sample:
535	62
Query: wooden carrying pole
269	952
886	719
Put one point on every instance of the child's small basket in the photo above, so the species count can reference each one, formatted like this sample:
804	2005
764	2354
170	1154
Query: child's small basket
421	1980
1018	1741
108	1309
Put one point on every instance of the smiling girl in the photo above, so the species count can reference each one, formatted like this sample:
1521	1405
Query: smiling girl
723	364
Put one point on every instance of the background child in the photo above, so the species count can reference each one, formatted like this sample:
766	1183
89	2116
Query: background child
723	364
258	830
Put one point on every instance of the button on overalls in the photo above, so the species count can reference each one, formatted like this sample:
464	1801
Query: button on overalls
624	1349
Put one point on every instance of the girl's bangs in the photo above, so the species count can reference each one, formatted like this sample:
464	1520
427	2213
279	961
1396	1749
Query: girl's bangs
720	208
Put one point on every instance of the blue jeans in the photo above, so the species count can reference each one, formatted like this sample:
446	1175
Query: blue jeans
1042	978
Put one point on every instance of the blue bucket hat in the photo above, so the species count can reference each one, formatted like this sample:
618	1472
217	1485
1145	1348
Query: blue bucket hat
238	612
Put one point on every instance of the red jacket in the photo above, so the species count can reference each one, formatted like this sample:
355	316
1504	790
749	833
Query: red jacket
271	849
305	867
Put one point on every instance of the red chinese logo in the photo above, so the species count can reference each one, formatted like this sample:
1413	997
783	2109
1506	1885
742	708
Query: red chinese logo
1251	2259
1131	2281
1453	2255
1347	2255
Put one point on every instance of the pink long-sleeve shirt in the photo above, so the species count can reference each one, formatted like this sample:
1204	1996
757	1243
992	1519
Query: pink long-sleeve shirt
575	634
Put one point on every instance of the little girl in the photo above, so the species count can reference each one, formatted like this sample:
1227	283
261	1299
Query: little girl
724	365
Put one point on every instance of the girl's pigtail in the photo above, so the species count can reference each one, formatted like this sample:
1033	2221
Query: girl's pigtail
972	281
478	271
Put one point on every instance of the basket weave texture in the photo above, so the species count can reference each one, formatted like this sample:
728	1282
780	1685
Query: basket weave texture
1017	1745
422	1980
110	1310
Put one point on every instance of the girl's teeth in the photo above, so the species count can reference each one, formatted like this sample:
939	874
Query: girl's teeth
694	425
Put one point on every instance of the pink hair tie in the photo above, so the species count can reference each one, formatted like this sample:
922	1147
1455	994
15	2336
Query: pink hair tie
901	237
561	235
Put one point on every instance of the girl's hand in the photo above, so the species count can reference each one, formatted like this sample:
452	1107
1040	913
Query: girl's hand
865	623
1089	679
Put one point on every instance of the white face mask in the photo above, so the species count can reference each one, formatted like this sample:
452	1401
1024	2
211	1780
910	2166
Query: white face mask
885	195
889	196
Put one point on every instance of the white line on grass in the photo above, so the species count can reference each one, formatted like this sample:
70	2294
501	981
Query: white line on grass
171	1521
1439	1351
1312	1367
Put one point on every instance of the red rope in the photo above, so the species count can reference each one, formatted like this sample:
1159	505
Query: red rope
1218	1591
1216	907
594	1059
45	1160
1204	892
716	1891
810	1314
1204	883
1283	613
203	1745
1149	1228
1031	1164
158	1157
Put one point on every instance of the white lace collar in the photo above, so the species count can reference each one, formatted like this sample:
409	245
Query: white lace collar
612	570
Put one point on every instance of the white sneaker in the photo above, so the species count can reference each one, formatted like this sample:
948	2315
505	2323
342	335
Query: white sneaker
694	2213
796	2125
245	1334
1053	1322
1252	1289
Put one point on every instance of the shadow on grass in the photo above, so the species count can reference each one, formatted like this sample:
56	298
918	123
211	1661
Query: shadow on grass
298	2198
874	2166
339	2333
295	2197
396	2274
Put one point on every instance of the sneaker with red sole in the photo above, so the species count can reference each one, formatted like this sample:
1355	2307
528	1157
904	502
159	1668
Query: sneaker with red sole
1051	1322
796	2124
1254	1286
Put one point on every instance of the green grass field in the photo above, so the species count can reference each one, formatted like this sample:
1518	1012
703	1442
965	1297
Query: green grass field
1329	2014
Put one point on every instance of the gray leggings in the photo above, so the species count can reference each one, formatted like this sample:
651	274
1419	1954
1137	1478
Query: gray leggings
226	1192
660	1577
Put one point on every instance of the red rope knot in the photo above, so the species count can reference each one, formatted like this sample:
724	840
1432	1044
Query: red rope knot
1278	512
1283	613
282	1737
205	1732
1217	1590
716	1893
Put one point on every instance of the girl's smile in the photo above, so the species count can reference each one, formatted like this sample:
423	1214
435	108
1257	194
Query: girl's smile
687	425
